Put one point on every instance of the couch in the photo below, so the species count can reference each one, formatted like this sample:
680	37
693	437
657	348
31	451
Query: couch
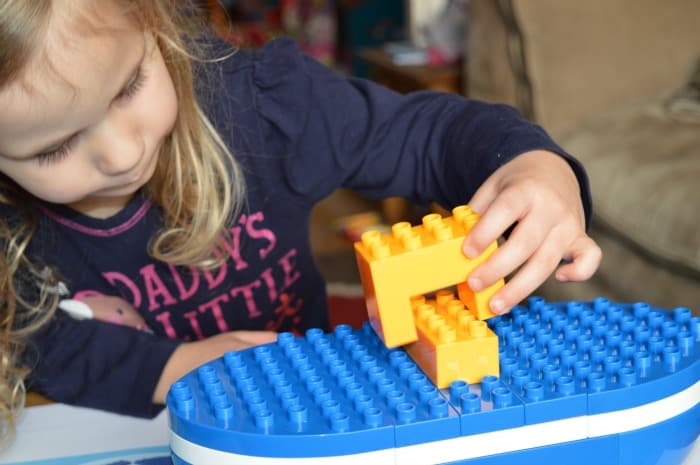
612	81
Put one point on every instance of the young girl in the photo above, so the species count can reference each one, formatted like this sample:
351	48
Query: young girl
179	200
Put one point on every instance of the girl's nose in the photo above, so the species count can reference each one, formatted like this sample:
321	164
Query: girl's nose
121	149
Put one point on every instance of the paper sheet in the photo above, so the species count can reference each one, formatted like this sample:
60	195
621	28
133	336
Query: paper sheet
61	435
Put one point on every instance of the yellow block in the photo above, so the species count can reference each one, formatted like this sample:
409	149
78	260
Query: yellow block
417	260
452	345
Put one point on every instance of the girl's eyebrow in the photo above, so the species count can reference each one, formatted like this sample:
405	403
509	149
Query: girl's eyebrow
63	139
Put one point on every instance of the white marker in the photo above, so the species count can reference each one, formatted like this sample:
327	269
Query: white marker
77	309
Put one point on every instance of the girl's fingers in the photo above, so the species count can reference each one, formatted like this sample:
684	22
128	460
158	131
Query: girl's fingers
526	238
484	196
256	337
533	273
585	256
505	210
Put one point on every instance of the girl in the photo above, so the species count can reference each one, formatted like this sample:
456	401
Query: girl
181	198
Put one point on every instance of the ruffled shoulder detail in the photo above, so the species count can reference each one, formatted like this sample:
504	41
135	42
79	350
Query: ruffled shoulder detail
284	87
277	62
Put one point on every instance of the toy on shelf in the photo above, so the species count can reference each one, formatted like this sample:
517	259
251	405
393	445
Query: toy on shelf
413	261
580	383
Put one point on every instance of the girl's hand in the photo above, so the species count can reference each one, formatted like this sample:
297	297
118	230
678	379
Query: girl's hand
539	191
190	355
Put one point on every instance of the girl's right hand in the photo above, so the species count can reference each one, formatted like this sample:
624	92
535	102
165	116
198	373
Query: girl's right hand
190	355
538	192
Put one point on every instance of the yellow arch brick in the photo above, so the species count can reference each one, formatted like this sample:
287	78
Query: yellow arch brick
417	260
452	344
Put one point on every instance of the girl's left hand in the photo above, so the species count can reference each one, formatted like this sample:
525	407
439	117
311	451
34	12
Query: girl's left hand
539	191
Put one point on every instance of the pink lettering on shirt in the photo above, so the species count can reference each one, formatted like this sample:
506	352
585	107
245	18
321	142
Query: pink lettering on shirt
184	291
214	306
212	280
269	281
233	248
114	278
164	320
288	263
192	318
80	295
178	288
155	287
247	292
260	233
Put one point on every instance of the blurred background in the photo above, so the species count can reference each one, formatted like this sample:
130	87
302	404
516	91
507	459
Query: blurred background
616	83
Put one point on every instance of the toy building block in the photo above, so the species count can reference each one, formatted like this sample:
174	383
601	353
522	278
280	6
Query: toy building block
486	406
579	383
568	359
413	261
325	394
451	344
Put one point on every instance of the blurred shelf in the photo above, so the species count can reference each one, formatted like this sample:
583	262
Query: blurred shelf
408	78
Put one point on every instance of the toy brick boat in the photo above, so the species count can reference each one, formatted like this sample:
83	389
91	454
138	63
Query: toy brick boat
578	383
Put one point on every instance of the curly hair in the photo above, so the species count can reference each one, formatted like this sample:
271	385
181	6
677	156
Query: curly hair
197	182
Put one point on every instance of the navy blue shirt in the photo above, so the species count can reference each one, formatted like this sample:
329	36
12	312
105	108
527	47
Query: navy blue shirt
299	131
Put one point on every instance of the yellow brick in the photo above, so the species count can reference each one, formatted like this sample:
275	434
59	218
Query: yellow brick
478	302
452	345
417	260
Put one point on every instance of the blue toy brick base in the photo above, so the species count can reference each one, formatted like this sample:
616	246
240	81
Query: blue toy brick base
598	451
580	383
666	443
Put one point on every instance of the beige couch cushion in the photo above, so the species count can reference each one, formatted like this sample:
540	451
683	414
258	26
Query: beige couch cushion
595	74
579	58
626	275
644	169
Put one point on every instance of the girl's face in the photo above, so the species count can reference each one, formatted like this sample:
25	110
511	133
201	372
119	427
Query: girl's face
83	124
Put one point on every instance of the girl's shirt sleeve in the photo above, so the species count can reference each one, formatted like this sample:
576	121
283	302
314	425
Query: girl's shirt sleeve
426	146
97	364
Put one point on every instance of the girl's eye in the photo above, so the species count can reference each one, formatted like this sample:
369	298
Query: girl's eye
133	86
57	154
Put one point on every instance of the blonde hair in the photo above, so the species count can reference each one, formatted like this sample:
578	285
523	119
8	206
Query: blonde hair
197	183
